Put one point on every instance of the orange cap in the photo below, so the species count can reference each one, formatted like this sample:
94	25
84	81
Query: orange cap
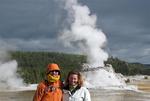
52	66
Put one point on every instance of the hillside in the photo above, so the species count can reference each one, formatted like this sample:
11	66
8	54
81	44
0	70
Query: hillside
32	65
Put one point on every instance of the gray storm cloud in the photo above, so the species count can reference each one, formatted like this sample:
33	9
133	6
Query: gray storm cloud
126	22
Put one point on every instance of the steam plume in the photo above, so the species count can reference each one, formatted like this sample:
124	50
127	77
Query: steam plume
9	79
84	34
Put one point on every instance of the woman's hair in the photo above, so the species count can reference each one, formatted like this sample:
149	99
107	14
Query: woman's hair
80	79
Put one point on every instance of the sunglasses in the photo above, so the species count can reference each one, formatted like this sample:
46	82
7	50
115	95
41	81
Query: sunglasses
55	72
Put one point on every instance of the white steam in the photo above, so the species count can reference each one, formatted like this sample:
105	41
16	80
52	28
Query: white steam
84	34
9	78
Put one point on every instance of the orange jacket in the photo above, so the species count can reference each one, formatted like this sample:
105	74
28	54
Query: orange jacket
48	92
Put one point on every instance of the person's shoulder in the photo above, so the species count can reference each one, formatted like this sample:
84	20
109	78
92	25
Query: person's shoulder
65	91
84	88
42	84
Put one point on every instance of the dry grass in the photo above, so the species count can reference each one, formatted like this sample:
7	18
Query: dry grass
144	86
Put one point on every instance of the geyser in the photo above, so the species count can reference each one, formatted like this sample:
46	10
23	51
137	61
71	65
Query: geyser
102	77
9	79
84	34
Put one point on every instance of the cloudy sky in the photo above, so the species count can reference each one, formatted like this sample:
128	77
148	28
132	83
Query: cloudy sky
34	25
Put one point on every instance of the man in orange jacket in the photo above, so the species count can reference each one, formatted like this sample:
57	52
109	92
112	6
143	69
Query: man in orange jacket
50	89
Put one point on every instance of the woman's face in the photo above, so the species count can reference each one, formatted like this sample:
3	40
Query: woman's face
73	79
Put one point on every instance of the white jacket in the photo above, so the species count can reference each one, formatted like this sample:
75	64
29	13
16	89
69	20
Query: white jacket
81	94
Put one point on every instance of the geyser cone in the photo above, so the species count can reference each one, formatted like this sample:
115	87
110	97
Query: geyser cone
102	77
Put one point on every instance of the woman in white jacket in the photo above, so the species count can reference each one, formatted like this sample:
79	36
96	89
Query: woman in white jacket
74	90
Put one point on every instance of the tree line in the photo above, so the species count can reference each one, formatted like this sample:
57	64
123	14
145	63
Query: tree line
32	65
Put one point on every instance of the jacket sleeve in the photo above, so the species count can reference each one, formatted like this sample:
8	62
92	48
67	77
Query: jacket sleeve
38	93
87	95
